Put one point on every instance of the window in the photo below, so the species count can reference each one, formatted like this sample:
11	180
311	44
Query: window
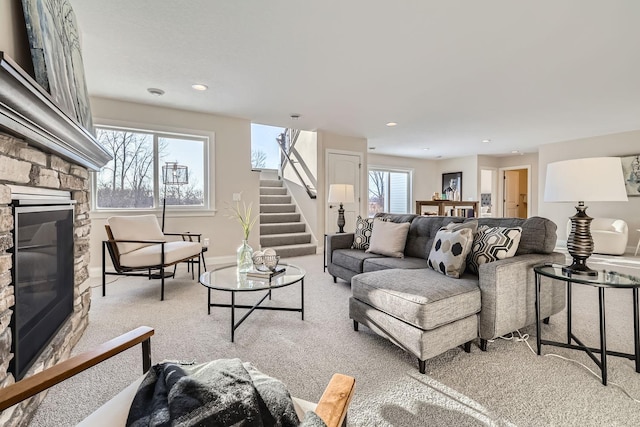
134	178
265	153
389	191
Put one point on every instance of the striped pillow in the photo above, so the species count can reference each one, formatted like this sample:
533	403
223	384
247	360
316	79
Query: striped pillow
492	244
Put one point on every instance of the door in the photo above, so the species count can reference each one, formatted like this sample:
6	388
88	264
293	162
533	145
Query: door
343	168
511	193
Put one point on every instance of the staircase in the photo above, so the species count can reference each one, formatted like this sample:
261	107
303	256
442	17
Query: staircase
280	225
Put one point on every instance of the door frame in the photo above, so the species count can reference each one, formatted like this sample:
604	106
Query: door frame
501	177
360	155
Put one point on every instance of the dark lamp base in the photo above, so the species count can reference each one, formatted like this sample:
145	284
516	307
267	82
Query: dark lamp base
578	270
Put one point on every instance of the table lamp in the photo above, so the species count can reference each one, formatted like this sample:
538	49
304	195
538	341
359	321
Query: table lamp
341	193
597	179
172	174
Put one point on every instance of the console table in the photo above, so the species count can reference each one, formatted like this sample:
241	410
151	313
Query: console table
605	279
442	206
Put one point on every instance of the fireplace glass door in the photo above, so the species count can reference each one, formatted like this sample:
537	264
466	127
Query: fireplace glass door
43	277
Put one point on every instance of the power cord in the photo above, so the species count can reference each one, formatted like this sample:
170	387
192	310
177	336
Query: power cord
107	283
525	338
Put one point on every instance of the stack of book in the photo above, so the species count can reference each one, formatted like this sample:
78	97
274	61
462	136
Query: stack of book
266	275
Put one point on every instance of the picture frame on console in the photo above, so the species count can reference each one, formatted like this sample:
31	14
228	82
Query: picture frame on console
631	173
452	181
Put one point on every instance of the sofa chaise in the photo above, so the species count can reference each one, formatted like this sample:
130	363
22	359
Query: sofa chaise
426	312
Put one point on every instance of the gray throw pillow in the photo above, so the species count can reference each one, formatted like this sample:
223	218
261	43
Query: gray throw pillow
455	226
450	250
388	238
492	244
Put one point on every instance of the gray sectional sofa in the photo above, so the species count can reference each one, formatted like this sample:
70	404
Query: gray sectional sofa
426	312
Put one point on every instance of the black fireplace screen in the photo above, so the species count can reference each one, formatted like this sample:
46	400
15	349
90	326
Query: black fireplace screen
43	279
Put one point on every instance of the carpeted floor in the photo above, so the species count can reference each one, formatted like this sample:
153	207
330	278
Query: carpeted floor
506	386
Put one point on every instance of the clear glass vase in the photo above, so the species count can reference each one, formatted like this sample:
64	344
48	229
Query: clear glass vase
245	257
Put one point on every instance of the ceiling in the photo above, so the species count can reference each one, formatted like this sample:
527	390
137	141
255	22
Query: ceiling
450	73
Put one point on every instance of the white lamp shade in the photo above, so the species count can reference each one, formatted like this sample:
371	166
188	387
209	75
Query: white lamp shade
341	193
596	179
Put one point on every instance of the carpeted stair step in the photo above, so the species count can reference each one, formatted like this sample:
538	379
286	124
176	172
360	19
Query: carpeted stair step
288	239
270	218
295	250
271	183
273	191
270	200
277	208
280	228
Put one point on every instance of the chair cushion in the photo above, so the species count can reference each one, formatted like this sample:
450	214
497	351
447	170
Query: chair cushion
388	238
134	227
150	255
421	297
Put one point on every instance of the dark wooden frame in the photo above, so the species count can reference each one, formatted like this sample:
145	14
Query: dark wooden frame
446	179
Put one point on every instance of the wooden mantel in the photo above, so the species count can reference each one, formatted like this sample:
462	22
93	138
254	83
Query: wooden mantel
29	113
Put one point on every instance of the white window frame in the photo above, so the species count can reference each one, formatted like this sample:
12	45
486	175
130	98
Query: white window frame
408	171
208	207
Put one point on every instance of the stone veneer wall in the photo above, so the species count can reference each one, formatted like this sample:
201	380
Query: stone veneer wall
22	164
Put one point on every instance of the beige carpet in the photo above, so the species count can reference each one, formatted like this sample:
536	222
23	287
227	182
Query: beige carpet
505	386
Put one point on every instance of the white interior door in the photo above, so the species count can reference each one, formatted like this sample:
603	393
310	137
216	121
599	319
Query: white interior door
343	168
511	193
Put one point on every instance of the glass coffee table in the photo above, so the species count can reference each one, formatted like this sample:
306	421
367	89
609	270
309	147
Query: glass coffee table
228	279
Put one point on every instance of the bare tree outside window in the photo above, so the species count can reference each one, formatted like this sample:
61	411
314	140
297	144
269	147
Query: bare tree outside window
258	159
377	182
127	180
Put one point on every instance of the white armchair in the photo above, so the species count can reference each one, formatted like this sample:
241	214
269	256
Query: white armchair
136	243
610	235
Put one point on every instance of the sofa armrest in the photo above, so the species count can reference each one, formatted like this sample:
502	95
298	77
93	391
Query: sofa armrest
339	241
508	294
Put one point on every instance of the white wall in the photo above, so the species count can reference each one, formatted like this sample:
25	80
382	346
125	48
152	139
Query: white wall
616	145
230	158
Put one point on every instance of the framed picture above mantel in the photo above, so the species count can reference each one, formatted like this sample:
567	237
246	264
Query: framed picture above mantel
631	173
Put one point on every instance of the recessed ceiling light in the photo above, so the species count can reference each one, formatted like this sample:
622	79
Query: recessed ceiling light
155	91
199	86
372	148
514	151
392	124
294	116
426	149
486	140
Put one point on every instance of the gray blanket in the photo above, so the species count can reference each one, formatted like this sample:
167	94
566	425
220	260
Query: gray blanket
223	392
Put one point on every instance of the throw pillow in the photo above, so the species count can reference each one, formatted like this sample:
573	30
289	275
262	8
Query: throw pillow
492	244
363	233
455	226
388	238
450	250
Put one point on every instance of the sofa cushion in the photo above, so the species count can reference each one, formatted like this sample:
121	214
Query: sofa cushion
385	263
362	235
492	244
351	259
422	232
420	297
450	249
388	238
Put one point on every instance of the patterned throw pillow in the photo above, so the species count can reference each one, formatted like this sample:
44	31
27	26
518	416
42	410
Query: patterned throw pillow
492	244
362	236
449	252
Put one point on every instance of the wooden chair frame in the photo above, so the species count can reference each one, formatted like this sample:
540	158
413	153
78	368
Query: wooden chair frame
110	245
332	407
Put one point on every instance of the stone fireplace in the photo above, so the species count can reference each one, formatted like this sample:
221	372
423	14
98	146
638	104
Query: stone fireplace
41	148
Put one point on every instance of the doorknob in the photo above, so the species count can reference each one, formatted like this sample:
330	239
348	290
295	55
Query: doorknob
330	206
